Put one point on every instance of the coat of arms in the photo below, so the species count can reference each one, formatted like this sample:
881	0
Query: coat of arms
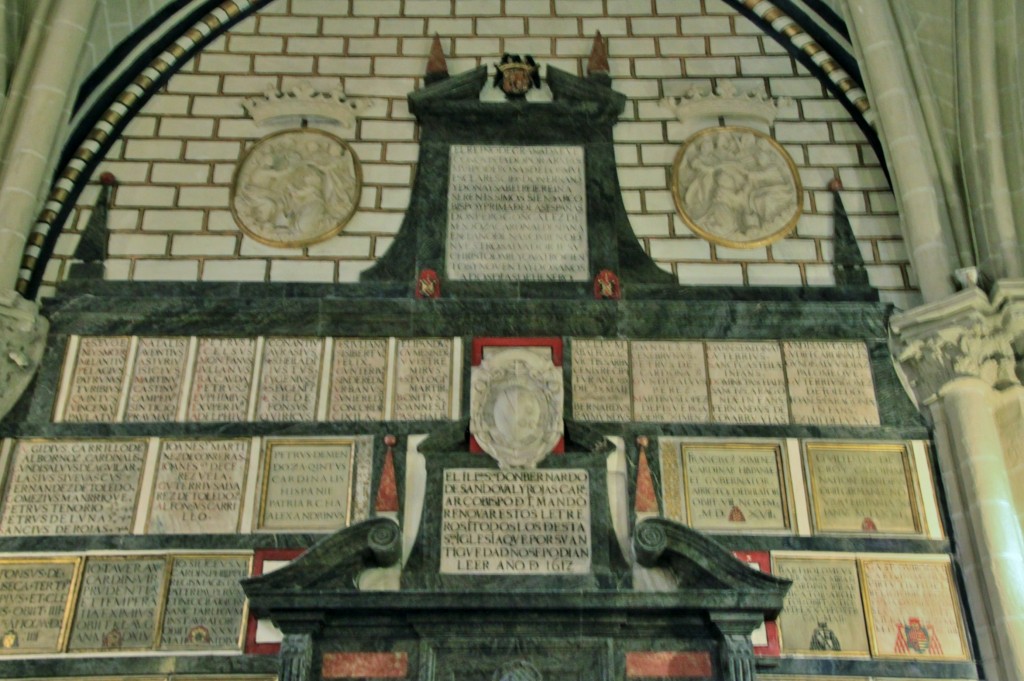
915	637
516	75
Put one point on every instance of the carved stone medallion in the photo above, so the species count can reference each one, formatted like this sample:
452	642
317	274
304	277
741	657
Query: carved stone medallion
736	187
296	187
516	407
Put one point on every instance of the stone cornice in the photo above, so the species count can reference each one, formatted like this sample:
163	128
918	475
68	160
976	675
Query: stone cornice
967	335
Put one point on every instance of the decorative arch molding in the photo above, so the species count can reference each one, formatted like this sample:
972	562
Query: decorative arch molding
104	117
817	50
98	130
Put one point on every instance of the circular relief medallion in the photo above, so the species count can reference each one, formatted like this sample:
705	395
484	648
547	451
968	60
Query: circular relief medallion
736	187
516	408
296	187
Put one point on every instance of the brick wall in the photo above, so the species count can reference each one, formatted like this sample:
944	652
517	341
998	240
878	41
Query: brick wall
171	220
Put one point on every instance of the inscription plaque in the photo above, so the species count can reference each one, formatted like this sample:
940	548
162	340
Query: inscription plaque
223	379
198	486
118	604
307	485
823	613
96	379
862	488
735	487
358	379
600	380
155	387
289	379
515	522
59	487
669	381
423	383
34	604
912	609
830	384
671	465
748	384
205	603
517	213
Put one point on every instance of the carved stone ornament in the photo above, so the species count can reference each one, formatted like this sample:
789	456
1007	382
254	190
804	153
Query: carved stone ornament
303	101
296	187
736	187
724	101
964	336
22	342
516	407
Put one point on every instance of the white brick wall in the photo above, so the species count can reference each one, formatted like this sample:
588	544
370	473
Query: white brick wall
171	219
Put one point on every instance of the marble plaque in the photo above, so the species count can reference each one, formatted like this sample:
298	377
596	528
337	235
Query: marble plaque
735	487
823	613
830	383
118	604
669	381
600	380
913	611
35	597
748	384
515	522
198	486
862	488
61	487
517	213
95	391
223	379
205	603
423	380
155	388
307	485
289	379
358	379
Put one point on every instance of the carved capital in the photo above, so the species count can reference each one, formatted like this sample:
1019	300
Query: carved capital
964	336
296	657
735	651
22	341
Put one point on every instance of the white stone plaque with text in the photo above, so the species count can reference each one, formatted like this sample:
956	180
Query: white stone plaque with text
517	213
515	522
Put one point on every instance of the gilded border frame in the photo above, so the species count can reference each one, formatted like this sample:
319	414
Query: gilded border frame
357	172
265	481
704	233
912	484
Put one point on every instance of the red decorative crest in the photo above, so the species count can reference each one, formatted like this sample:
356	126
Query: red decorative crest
606	286
428	285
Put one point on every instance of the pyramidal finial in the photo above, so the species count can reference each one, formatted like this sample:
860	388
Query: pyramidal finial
646	501
598	61
437	67
387	491
847	262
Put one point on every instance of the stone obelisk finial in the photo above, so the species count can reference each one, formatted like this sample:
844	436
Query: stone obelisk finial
597	64
437	67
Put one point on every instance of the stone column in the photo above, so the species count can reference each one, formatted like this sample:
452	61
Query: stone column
916	181
958	355
31	130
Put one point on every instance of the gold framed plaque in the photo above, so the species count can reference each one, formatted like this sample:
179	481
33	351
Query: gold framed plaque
913	611
296	187
307	484
736	187
862	488
734	486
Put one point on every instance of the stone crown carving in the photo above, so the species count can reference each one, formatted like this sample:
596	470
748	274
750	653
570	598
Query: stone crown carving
303	100
724	101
